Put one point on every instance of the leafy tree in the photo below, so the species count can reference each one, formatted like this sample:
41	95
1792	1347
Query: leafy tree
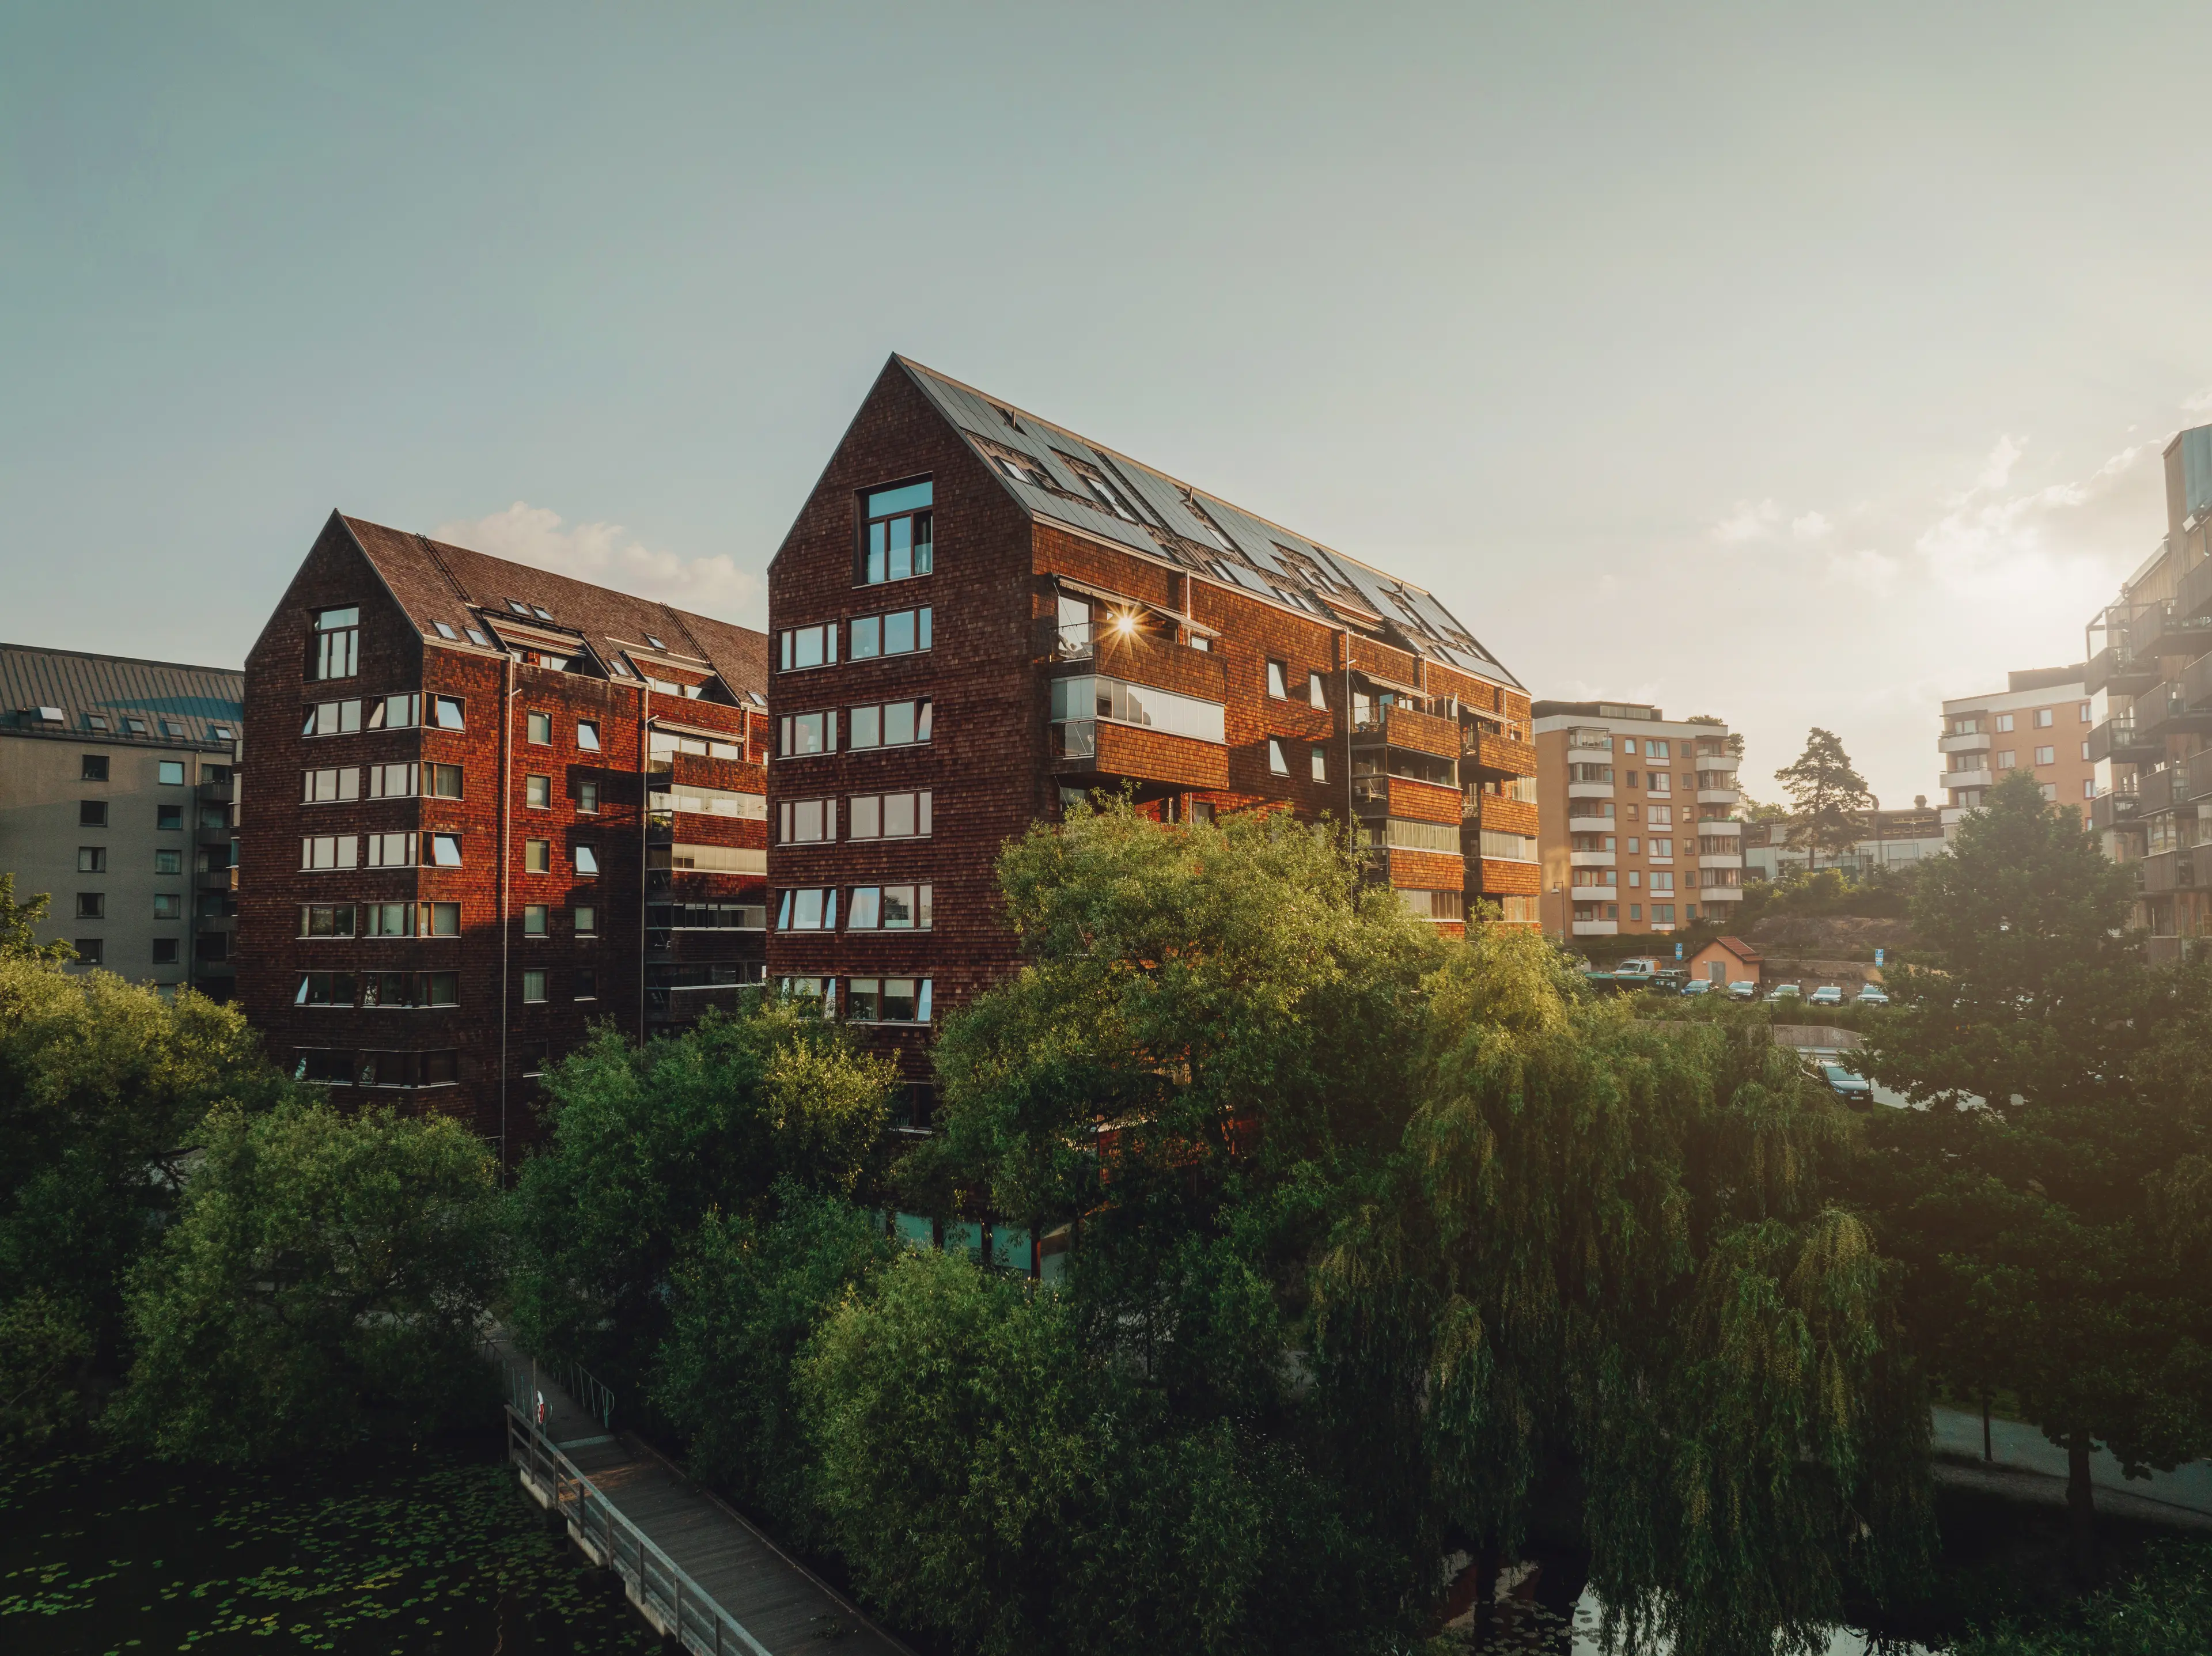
19	927
322	1266
1613	1247
746	1295
2047	1201
643	1142
1828	795
102	1086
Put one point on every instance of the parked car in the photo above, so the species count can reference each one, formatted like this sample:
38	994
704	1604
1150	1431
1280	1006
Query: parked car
1827	994
1853	1092
1743	989
1871	996
1698	987
1784	992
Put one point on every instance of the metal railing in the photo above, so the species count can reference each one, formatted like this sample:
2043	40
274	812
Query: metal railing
669	1598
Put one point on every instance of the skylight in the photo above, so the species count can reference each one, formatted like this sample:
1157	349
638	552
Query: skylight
654	642
95	721
540	614
50	715
445	630
172	727
220	732
518	606
475	637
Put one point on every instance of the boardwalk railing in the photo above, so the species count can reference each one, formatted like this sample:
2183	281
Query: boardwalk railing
660	1588
523	1384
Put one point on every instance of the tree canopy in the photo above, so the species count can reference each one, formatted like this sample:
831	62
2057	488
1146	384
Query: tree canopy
1828	795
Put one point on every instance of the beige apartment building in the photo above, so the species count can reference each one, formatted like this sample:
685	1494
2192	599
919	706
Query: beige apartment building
1639	826
115	800
2041	723
2149	679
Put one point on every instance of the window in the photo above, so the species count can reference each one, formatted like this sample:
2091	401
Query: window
587	798
324	851
95	721
168	906
1278	684
899	633
1636	911
90	951
891	724
388	850
587	862
1662	913
168	862
586	919
2089	786
387	920
1276	763
91	905
324	989
888	815
1433	904
169	816
338	643
890	908
587	983
392	781
813	909
92	813
2049	791
93	859
444	781
1662	879
809	646
896	543
887	1000
441	919
2046	755
1661	849
165	951
588	734
1515	848
94	769
2004	759
445	849
1660	782
322	1066
2081	713
2005	721
402	989
806	733
533	919
172	773
324	787
2044	717
475	637
802	822
410	1069
537	856
326	919
537	792
534	987
539	728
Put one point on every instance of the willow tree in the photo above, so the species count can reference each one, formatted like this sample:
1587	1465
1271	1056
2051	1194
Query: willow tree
1609	1251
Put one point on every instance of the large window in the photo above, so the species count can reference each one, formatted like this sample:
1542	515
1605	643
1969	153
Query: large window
806	733
896	541
1089	697
320	787
666	744
1401	833
392	781
1516	847
332	719
805	822
390	850
709	801
338	643
324	989
326	919
888	815
899	633
410	1069
326	851
808	909
887	1000
1433	904
809	646
411	989
890	908
891	724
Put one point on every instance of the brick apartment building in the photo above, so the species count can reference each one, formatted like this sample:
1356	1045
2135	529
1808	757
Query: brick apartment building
979	616
115	797
482	807
1640	830
2040	722
2149	676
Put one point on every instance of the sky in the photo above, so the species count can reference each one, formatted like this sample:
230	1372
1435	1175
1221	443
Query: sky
1802	367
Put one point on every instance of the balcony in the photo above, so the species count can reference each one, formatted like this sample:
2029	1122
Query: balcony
1407	797
2196	778
2118	811
2121	670
1708	860
1588	791
218	879
1719	894
1590	824
2164	710
1106	749
1405	727
1596	928
2156	788
1593	893
2120	741
1139	658
2196	680
1716	796
2192	593
2168	871
1492	754
1973	742
1593	859
1728	825
1980	779
2168	629
217	793
1495	810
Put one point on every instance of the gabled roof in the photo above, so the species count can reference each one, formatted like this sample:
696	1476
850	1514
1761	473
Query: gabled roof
437	582
1163	518
178	705
1742	950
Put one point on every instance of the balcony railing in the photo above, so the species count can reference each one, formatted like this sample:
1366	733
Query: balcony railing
1500	755
2121	739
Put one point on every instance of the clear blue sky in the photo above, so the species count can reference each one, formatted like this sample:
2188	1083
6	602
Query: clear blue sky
1800	368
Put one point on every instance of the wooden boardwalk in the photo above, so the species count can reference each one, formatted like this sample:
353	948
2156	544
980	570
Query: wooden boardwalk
614	1488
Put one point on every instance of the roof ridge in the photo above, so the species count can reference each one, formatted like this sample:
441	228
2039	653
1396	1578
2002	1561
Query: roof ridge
136	661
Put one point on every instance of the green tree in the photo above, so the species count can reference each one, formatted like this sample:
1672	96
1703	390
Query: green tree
1828	795
642	1142
2064	1109
323	1267
19	927
102	1086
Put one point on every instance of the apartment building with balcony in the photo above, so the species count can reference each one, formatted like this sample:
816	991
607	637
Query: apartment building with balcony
486	807
1640	832
2149	676
116	780
979	617
2042	722
1895	841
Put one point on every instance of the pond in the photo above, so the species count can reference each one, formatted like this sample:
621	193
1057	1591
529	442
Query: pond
377	1553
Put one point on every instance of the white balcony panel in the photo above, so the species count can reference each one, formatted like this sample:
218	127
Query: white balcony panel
1591	791
1596	928
1971	743
1733	860
1716	796
1593	893
1720	825
1592	858
1981	779
1721	894
1589	824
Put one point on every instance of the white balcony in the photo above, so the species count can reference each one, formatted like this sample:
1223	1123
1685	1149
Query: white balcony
1729	825
1972	742
1716	796
1591	791
1596	928
1593	893
1980	779
1733	859
1591	858
1717	761
1589	824
1720	894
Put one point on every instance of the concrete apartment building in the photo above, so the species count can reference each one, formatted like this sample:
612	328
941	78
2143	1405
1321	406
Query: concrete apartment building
1894	840
487	806
980	616
2042	722
1639	812
2149	674
116	780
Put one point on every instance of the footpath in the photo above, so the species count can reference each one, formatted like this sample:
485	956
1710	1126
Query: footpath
2026	1466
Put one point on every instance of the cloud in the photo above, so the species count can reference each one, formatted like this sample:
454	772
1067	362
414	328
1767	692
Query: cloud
607	555
2197	402
1752	520
1992	537
1868	570
1811	527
